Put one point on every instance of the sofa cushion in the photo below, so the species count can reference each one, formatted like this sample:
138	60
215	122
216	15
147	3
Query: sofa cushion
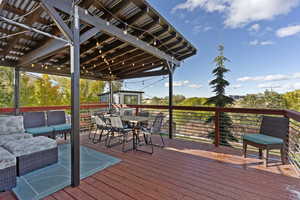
11	137
6	159
39	130
61	127
11	125
262	139
31	145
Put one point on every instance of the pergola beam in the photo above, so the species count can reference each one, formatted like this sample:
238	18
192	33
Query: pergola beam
52	47
57	20
65	6
146	74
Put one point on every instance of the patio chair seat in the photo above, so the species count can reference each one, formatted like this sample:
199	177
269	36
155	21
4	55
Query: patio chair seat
39	130
33	153
61	127
31	145
11	137
263	139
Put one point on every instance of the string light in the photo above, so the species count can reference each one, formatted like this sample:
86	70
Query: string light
32	65
123	63
132	26
154	43
125	30
58	68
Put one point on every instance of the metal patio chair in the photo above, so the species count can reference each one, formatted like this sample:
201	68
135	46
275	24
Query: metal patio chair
273	135
118	131
155	129
101	126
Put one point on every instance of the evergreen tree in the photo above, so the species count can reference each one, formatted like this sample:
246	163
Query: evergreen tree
220	99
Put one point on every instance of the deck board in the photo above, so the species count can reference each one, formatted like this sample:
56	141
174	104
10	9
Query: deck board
184	170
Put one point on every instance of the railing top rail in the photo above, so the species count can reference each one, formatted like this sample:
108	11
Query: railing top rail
288	113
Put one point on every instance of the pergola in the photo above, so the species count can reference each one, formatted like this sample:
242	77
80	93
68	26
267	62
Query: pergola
92	39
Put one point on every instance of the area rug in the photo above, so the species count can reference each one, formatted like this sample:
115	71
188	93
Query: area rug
43	182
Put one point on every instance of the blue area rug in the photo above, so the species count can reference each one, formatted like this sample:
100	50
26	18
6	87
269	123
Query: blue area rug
46	181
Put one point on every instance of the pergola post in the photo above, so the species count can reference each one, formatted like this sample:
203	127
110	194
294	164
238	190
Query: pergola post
75	107
17	90
111	94
170	103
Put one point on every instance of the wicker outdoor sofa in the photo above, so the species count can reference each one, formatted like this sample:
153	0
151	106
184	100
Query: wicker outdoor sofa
21	153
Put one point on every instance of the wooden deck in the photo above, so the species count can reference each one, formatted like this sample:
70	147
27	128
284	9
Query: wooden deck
184	171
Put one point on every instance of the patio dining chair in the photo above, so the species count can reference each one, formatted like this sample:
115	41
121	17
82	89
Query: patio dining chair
155	129
101	126
35	124
118	131
273	135
57	120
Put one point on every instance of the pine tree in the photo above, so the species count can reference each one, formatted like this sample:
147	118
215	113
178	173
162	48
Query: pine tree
220	99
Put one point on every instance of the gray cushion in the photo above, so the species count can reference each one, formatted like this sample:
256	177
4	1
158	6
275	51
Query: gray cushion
11	137
11	125
31	145
6	159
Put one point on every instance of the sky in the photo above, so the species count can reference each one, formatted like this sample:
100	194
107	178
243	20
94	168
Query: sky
261	39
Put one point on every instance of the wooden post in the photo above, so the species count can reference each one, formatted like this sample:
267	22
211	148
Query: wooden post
136	111
217	128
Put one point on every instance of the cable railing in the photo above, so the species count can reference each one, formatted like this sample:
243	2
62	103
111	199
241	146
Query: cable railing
220	126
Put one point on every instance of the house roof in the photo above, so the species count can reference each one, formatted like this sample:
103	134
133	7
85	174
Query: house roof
144	49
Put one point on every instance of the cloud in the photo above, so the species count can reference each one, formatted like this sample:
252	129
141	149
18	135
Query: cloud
178	83
200	28
268	85
236	86
254	27
274	77
261	43
241	12
288	31
284	87
185	83
195	86
267	42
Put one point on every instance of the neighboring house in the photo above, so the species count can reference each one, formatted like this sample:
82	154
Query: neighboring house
123	97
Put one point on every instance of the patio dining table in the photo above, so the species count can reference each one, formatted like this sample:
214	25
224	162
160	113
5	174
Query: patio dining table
136	121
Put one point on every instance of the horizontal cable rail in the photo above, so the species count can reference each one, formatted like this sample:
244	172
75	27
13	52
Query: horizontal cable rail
222	126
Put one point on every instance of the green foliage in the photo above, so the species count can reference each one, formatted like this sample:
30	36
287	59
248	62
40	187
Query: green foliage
220	99
292	100
268	99
6	86
45	90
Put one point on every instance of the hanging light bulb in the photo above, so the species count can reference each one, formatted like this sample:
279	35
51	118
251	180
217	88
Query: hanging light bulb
46	67
107	23
123	63
133	64
125	30
154	43
95	66
32	65
112	61
143	65
98	44
152	64
100	51
102	56
58	68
